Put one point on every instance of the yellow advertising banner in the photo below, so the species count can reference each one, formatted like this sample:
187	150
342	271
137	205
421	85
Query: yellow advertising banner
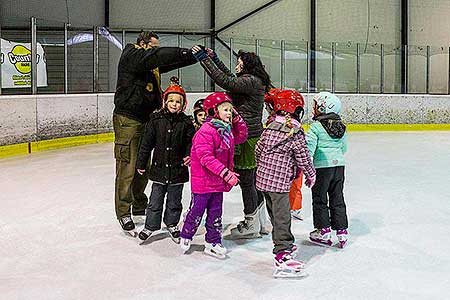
15	61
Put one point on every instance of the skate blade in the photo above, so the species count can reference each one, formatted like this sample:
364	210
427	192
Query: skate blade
175	240
301	264
328	244
214	254
234	236
341	246
130	233
290	275
144	242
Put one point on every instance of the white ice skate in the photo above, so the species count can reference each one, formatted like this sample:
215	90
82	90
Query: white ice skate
287	267
216	250
321	237
342	238
297	214
128	226
185	245
144	235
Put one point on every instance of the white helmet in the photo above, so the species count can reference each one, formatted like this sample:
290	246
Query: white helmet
327	103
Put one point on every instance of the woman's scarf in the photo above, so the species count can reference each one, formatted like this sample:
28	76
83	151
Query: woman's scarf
224	130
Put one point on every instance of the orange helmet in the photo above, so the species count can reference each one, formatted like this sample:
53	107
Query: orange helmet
174	88
288	101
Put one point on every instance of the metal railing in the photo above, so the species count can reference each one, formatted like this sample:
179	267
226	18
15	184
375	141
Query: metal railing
90	67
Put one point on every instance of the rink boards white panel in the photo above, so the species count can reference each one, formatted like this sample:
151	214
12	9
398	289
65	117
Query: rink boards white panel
32	118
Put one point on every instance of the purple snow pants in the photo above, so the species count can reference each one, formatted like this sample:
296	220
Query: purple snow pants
212	203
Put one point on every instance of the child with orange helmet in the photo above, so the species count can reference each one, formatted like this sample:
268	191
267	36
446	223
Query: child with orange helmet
295	192
169	134
280	155
212	171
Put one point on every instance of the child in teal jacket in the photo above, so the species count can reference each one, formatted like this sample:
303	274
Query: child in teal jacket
327	142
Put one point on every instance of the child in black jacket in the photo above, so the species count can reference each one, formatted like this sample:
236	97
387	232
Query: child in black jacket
169	134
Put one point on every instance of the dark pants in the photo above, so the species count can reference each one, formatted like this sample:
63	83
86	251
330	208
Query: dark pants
328	199
129	185
278	208
212	203
250	196
173	209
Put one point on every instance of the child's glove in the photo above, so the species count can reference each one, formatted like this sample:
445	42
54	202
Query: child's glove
309	182
140	171
199	53
236	116
230	177
187	161
212	55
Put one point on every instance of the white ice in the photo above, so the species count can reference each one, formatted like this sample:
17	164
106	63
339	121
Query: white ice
59	238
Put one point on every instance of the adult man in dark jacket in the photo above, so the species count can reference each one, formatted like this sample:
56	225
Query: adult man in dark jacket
138	94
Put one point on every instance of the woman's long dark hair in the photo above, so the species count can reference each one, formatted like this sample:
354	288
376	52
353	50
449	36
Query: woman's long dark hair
254	66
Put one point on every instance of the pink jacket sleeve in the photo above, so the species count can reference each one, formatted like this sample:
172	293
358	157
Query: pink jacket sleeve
204	148
240	131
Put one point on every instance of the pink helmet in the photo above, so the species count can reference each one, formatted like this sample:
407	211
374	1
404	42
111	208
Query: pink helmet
213	100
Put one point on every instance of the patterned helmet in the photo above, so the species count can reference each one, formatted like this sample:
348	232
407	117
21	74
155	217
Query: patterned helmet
175	88
289	101
198	105
327	103
213	100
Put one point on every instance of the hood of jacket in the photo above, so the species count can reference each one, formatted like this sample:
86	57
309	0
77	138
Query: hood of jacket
333	124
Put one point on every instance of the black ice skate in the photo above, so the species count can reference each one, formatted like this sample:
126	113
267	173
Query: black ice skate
144	235
174	233
128	226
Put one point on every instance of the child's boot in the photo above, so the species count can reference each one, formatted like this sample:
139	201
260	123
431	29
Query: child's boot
174	233
185	244
144	235
341	235
216	250
321	236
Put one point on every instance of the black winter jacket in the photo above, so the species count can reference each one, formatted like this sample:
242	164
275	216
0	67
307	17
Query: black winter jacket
138	90
170	137
246	91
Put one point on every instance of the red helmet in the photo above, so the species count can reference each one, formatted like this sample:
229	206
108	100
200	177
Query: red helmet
269	97
288	101
174	88
213	100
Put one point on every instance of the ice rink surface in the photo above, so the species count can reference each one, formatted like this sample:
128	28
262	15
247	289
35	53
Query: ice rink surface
60	239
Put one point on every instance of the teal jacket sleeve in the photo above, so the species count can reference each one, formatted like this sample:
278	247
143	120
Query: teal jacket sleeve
311	139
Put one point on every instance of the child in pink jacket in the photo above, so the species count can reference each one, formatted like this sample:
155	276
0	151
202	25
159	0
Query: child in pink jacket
212	171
